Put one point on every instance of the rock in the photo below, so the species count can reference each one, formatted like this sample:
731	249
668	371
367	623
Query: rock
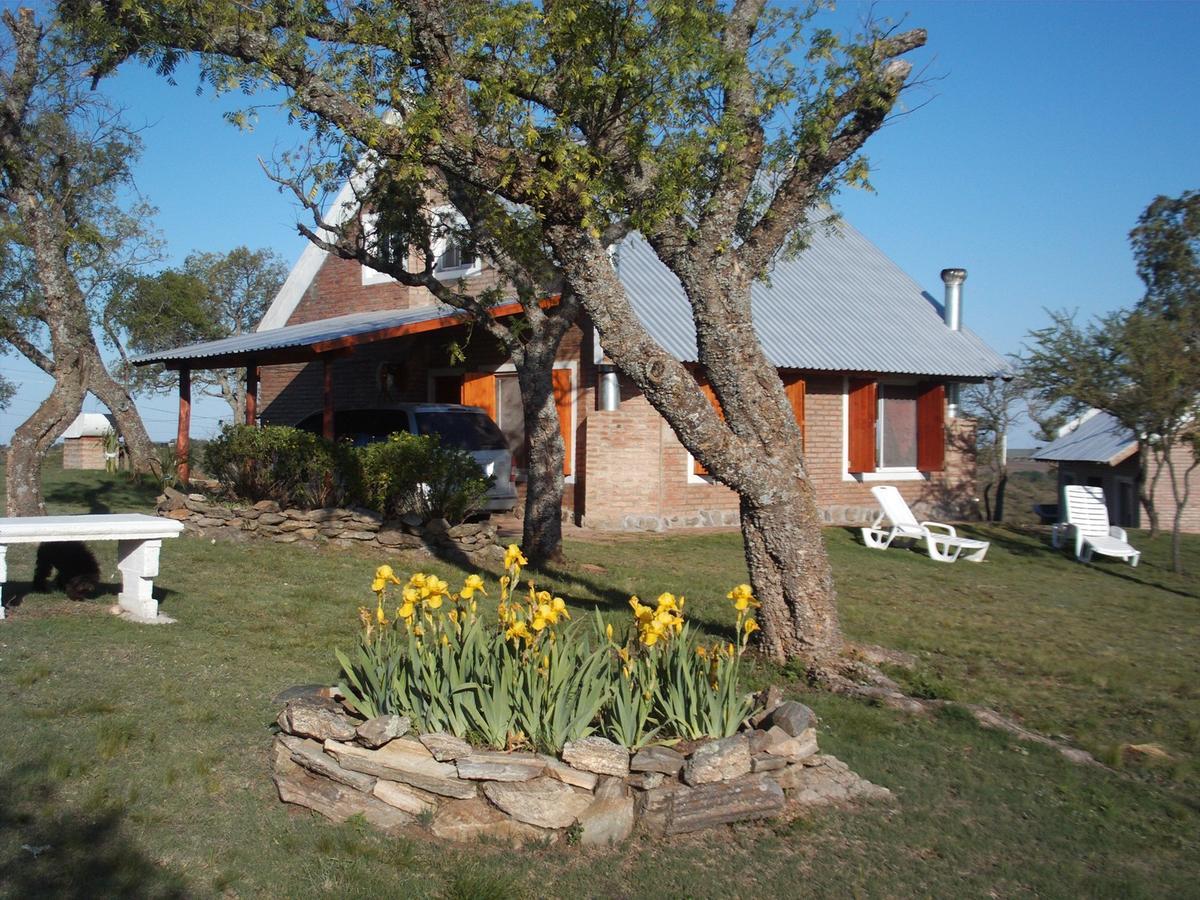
718	761
484	765
792	717
306	534
445	747
376	732
316	717
544	802
172	499
755	797
607	821
296	514
335	801
797	748
327	514
412	520
366	516
657	759
332	531
401	761
199	506
266	506
437	526
405	797
299	690
271	518
645	781
654	806
765	702
765	762
556	768
597	754
394	537
198	497
470	820
247	512
286	538
466	530
350	535
293	525
307	753
761	741
179	515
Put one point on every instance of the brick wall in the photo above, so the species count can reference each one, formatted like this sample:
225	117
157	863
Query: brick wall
83	453
641	480
1164	498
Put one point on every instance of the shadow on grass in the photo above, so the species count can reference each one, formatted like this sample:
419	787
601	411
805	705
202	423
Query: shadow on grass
51	848
13	594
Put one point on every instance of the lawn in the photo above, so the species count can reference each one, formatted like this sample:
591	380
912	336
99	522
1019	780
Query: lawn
133	760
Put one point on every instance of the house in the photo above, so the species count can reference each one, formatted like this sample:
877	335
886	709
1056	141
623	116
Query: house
1097	450
871	362
83	441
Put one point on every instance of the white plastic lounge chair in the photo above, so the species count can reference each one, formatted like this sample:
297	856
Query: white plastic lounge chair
1087	520
944	545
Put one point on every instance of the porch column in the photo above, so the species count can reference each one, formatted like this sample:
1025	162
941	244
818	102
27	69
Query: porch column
251	394
183	437
327	418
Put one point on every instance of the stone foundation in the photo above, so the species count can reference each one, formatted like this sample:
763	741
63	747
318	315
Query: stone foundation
474	542
596	793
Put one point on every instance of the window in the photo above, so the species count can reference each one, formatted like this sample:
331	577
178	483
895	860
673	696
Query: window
452	259
388	246
896	444
451	256
895	427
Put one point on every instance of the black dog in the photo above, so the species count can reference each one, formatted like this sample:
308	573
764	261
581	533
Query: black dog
78	571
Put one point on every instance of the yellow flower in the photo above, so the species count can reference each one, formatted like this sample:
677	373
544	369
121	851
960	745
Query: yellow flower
386	573
517	630
650	637
504	583
454	616
406	610
445	640
540	621
471	585
411	595
666	601
434	601
751	626
560	608
513	556
379	616
608	631
417	579
742	597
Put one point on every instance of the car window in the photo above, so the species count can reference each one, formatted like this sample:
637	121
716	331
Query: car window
467	430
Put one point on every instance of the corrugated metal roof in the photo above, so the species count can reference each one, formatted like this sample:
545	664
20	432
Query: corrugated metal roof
301	335
1099	438
841	305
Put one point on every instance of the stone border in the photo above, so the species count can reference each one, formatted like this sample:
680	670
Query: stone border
596	793
474	542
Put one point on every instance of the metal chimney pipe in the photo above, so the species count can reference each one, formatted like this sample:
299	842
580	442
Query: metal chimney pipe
609	395
952	310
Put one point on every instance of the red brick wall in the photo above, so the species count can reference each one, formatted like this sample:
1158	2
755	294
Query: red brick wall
1164	497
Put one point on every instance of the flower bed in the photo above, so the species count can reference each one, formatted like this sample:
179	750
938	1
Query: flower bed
531	726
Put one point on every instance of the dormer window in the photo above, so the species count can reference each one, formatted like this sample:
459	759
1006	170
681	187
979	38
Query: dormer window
451	257
452	260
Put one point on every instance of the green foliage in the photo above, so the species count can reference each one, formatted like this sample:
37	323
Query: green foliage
287	465
697	691
7	391
411	473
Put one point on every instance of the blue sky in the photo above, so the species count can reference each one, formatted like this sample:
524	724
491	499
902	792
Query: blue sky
1043	131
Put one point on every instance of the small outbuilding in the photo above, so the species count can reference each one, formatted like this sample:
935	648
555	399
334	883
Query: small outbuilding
1099	451
83	441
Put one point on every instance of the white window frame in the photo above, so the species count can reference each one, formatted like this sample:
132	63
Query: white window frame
895	473
370	223
444	214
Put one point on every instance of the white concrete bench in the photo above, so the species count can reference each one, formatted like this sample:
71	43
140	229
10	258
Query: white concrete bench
139	539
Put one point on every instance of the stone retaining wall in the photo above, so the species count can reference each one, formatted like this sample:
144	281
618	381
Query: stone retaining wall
597	793
475	542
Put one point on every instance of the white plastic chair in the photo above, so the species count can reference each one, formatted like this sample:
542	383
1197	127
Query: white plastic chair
1086	518
944	545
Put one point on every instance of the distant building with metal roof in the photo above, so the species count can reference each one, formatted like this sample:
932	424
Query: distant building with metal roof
1096	438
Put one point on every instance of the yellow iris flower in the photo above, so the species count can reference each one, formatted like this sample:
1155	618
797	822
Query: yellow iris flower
472	585
513	556
742	597
751	626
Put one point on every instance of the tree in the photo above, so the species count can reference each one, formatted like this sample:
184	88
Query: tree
994	405
1166	247
64	156
7	391
1139	368
715	130
213	295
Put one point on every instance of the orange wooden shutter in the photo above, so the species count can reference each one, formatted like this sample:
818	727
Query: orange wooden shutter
479	389
793	386
706	389
931	427
863	409
562	400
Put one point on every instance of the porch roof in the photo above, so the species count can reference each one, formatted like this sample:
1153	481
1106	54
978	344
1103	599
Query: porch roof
310	341
1098	438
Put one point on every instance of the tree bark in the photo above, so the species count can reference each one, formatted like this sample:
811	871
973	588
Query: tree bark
541	537
30	443
138	448
1001	488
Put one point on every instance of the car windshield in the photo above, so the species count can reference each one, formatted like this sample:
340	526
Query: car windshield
466	430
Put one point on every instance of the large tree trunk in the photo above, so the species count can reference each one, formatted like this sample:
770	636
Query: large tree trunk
541	538
1147	486
792	577
34	437
1001	488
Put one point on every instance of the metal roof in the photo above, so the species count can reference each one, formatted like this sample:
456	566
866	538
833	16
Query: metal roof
302	335
840	305
1098	438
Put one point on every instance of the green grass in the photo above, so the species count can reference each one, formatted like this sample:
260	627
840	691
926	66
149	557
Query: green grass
137	756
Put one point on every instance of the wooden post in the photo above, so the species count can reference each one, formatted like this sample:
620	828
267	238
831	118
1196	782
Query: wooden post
251	394
327	419
183	438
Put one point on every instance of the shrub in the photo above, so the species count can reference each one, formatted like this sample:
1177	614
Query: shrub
416	474
287	465
534	678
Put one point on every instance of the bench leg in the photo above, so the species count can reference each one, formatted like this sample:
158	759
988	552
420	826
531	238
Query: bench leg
3	576
138	562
